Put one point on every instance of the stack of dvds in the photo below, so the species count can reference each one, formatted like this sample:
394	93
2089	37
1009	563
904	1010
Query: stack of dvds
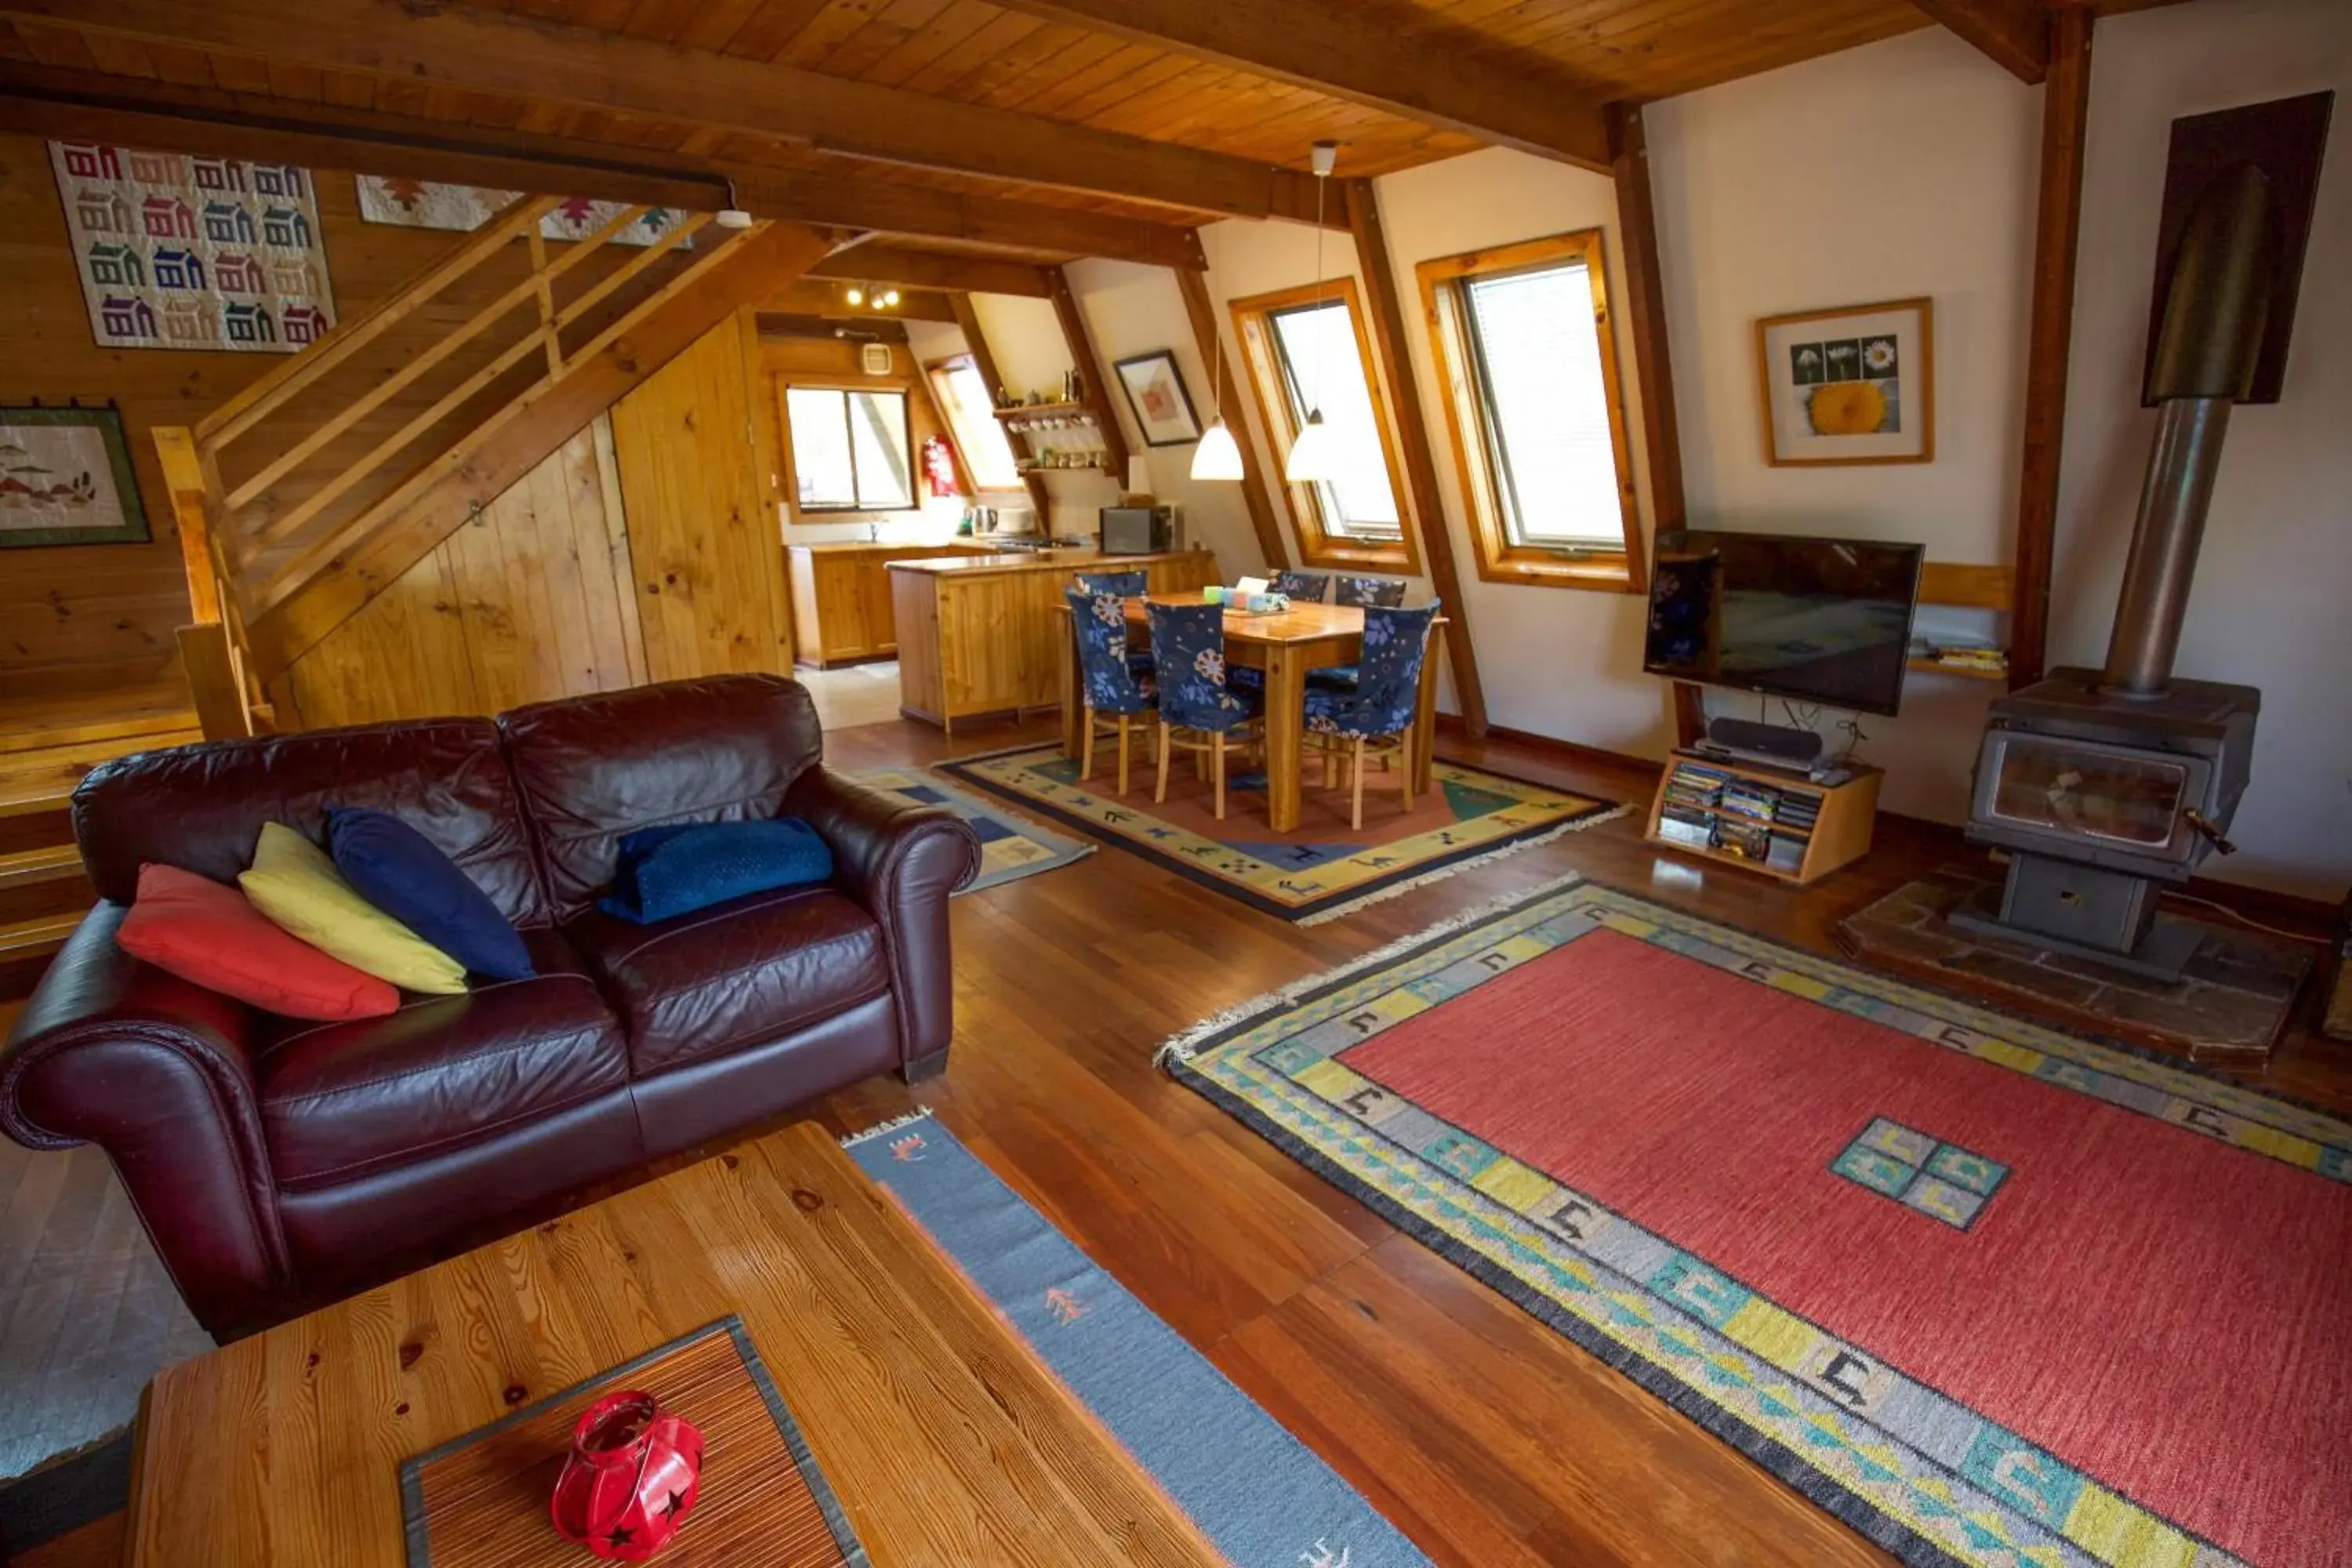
1791	828
1693	794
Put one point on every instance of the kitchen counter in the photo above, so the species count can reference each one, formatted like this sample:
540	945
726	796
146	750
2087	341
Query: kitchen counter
980	634
1083	560
840	596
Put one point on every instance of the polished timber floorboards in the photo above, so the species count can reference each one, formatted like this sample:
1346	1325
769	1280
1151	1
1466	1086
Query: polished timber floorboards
1485	1437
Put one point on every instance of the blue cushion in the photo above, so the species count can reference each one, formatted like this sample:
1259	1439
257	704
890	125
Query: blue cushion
403	873
669	871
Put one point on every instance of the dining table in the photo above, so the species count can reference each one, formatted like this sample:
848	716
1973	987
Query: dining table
1286	645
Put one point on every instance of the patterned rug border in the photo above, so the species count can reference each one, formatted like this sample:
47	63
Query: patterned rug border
1197	1038
1817	1484
1045	833
1379	891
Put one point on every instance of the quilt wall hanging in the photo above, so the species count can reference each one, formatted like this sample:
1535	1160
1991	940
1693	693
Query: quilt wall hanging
177	251
428	204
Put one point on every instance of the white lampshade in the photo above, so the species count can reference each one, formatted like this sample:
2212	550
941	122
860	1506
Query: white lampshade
1314	455
1218	457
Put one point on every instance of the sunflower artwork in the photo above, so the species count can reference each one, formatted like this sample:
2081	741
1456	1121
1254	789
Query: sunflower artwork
1847	386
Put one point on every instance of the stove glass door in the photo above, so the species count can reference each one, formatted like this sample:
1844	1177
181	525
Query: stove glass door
2084	789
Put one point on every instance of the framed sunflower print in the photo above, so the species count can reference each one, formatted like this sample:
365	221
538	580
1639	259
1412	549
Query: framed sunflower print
1854	385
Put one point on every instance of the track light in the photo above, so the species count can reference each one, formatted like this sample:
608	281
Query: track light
854	294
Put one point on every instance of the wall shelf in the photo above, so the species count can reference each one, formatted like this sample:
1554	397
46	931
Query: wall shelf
1965	671
1047	411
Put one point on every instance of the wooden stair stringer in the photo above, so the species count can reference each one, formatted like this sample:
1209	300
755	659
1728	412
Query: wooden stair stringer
503	451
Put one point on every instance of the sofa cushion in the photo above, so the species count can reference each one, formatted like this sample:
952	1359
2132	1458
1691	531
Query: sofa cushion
200	807
595	769
294	883
405	874
736	974
212	936
669	871
343	1100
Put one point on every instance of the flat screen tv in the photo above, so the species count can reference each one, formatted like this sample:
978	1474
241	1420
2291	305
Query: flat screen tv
1814	620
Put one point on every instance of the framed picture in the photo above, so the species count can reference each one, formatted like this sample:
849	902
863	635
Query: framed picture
1156	392
1856	385
66	479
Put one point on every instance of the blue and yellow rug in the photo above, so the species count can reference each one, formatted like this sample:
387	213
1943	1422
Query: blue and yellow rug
1320	871
1261	1497
1011	847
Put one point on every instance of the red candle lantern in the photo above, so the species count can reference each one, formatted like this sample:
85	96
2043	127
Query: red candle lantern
631	1480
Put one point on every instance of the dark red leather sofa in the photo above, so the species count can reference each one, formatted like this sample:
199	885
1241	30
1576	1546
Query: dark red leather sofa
280	1164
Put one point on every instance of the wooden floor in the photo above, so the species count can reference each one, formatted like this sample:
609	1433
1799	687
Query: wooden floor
1485	1437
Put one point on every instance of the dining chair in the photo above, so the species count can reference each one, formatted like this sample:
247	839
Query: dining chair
1126	585
1376	718
1107	678
1386	592
1198	711
1302	587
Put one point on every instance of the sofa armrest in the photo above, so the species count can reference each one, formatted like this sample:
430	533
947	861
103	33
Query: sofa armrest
901	861
159	1073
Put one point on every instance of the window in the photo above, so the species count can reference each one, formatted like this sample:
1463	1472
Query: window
852	451
1306	351
1538	424
971	419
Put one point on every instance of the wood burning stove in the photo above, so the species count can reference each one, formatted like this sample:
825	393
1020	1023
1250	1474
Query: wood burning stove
2104	785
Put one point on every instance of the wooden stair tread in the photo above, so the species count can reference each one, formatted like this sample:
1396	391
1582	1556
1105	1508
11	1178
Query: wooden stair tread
38	722
50	863
32	801
42	934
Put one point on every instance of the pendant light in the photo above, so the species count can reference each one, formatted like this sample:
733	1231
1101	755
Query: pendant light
1314	455
1219	455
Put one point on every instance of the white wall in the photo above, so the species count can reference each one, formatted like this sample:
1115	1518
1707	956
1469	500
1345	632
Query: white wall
1908	168
1024	338
2269	606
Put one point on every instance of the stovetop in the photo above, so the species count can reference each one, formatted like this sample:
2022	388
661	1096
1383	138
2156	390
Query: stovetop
2073	697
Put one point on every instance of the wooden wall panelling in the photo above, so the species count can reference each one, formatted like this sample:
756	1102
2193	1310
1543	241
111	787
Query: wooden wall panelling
93	608
1385	317
710	564
530	601
1227	393
2065	112
767	438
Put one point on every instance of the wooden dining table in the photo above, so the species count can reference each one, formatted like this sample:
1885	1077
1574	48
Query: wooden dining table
1286	645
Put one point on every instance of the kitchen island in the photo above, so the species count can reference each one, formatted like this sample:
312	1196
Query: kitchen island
978	635
840	596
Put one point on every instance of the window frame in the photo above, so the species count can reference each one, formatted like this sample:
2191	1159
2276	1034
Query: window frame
906	396
1319	546
1453	347
957	437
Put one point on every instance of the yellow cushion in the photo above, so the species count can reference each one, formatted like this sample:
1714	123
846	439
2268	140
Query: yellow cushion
294	883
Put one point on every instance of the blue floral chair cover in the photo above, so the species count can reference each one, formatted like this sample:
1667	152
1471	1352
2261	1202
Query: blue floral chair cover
1126	585
1188	646
1113	684
1386	592
1388	682
1302	587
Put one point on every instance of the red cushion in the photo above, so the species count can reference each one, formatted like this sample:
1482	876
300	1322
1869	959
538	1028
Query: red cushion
211	936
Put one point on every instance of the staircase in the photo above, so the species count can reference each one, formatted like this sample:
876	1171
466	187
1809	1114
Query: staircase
314	489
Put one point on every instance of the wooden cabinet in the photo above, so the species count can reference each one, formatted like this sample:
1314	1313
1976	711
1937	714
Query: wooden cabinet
841	598
980	635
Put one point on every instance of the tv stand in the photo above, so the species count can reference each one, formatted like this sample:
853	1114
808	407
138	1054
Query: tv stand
1779	823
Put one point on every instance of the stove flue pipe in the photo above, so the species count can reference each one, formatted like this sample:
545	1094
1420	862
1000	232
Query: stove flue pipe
2214	313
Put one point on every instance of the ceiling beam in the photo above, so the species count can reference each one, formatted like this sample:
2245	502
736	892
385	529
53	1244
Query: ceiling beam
90	106
922	270
2014	34
822	300
1391	59
546	62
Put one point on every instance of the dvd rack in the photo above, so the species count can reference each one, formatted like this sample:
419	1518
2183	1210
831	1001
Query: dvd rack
1781	824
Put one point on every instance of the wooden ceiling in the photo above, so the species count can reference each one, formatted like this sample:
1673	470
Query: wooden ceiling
1038	128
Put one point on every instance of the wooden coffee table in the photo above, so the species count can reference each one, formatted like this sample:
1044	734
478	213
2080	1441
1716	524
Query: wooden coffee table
943	1437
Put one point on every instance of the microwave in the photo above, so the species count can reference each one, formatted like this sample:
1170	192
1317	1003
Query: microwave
1141	531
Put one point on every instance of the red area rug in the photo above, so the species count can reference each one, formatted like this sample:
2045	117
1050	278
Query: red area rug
1990	1292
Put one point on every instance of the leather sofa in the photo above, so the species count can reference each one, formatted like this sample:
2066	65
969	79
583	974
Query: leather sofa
280	1164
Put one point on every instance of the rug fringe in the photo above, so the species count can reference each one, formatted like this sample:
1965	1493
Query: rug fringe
1394	890
890	1126
1181	1047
